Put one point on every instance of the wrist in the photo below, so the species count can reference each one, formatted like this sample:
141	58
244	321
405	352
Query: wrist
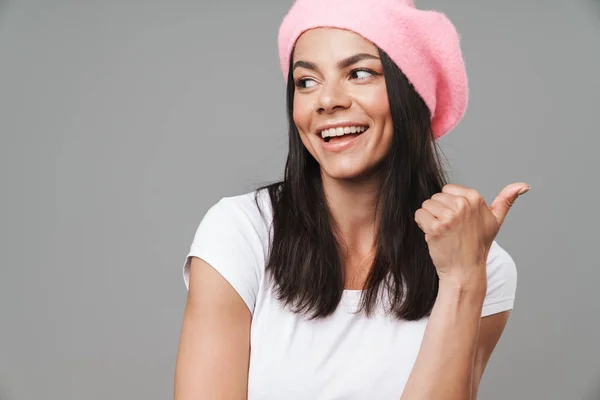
459	297
474	283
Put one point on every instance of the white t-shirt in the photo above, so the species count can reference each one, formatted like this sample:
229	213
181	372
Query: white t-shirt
345	356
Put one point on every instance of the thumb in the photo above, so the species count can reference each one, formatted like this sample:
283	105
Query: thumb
506	199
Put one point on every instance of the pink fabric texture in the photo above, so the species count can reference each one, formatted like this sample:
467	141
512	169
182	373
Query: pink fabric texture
424	45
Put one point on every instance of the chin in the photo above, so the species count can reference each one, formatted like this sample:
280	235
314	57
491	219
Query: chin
346	172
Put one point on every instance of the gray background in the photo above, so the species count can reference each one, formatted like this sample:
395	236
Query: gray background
122	121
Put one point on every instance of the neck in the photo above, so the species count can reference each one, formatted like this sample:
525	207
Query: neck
352	205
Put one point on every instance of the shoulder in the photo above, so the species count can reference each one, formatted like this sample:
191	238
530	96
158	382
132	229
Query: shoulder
501	281
243	220
233	237
255	206
500	265
248	214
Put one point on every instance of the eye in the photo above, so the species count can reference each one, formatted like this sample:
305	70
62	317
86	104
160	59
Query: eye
362	70
301	83
365	72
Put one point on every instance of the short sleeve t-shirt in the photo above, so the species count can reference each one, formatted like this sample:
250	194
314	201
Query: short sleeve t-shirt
345	356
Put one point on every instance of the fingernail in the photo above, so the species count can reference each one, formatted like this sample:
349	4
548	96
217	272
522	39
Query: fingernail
524	190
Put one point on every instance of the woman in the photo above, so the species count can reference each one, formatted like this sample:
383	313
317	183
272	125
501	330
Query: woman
362	275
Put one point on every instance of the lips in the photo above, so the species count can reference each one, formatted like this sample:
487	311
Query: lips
335	138
340	124
342	143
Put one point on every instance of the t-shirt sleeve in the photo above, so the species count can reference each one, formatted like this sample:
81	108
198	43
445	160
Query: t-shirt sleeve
226	240
501	281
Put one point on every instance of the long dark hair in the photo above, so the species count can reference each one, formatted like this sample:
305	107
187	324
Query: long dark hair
304	259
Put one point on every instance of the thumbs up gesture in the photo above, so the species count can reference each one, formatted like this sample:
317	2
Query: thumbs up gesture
459	229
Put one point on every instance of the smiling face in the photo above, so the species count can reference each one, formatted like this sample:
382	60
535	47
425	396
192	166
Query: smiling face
339	82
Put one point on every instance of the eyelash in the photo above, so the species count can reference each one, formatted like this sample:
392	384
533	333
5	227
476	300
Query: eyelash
298	82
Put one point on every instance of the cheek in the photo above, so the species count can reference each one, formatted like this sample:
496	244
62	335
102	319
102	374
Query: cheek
379	106
302	114
379	110
374	102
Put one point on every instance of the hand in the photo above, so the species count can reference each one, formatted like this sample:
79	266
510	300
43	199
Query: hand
460	228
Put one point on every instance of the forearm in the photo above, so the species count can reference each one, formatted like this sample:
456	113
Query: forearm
444	365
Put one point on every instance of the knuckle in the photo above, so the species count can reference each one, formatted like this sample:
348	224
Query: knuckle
475	195
419	214
461	203
436	229
449	216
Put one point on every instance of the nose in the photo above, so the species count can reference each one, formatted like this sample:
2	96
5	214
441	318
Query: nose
333	96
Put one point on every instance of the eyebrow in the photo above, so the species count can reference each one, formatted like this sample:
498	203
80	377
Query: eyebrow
346	62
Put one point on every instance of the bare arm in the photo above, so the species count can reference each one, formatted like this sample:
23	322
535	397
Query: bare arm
490	331
214	348
459	230
456	346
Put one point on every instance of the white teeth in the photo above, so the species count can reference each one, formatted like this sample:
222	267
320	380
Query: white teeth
342	131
